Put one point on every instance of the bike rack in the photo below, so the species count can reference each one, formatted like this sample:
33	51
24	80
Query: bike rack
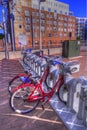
68	117
74	113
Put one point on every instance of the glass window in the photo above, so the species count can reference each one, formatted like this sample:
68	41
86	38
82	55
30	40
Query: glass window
49	9
55	29
27	20
19	2
55	23
27	27
55	11
42	8
60	11
26	4
19	18
27	13
60	34
66	13
36	34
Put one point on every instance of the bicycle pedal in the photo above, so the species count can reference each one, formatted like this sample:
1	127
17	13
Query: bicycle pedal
44	103
42	107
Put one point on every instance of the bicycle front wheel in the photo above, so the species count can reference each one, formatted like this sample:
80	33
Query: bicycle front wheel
49	81
63	93
21	104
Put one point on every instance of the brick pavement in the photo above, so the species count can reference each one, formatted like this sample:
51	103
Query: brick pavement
9	120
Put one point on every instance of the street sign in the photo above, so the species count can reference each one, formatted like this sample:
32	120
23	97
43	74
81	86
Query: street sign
22	40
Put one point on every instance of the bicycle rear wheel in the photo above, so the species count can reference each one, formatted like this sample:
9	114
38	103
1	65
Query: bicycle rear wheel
16	81
63	93
21	104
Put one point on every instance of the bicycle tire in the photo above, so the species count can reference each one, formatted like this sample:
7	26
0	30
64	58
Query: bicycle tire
62	93
16	81
16	105
49	81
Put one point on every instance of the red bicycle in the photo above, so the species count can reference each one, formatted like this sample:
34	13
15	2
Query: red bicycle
31	94
20	79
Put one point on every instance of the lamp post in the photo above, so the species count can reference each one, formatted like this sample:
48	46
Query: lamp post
40	24
5	32
40	27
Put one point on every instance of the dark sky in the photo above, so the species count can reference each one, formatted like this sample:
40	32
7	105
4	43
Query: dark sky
77	6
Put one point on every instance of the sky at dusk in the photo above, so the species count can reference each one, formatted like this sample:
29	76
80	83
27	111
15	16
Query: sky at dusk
77	6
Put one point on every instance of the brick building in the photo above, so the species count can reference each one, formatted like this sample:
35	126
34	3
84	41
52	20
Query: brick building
50	27
81	28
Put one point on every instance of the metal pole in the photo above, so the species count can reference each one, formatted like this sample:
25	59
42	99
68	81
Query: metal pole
40	26
32	31
5	31
12	35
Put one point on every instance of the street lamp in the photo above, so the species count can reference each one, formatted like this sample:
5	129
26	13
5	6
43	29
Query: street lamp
40	23
5	32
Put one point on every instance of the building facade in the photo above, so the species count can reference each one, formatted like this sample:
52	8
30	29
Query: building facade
52	6
81	28
47	27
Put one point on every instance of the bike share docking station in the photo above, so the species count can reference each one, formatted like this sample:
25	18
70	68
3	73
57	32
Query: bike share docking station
74	112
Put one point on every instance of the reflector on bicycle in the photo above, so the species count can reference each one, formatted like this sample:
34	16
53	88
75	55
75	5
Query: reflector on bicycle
25	79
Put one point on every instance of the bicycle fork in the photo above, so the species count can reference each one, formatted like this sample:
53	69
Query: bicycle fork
46	99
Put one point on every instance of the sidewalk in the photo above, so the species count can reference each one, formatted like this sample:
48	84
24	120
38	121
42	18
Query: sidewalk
17	54
9	120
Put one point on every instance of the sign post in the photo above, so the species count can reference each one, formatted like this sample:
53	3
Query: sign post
5	32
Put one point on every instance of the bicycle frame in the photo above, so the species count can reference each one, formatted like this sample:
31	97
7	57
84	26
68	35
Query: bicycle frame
41	94
38	93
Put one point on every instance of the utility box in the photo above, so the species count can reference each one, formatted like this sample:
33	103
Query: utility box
70	48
